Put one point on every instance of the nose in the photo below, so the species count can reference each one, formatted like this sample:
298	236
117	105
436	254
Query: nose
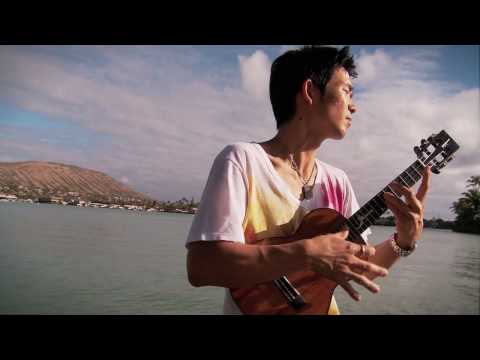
352	107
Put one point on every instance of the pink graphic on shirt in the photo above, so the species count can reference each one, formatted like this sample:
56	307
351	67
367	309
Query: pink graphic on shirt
335	196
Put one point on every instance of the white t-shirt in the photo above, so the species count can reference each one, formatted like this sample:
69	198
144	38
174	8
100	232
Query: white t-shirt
245	200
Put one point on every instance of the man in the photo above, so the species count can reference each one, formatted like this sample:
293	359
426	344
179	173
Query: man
263	190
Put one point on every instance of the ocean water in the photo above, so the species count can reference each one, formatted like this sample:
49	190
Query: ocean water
71	260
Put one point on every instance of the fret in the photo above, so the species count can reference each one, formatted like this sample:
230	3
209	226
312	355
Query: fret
352	229
353	220
410	179
355	227
383	209
376	206
363	228
413	173
420	169
355	232
358	233
364	212
413	180
375	210
379	200
391	191
365	217
421	164
420	175
369	218
403	181
350	224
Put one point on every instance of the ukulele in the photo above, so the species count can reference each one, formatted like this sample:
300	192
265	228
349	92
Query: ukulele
307	292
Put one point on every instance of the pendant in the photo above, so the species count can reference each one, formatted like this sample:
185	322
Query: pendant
307	191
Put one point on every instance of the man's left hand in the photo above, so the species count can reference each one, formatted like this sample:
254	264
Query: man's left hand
409	215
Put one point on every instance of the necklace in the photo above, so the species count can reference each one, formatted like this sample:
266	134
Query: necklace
307	190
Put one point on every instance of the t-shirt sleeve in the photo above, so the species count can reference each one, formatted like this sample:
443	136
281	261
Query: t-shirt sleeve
223	204
351	205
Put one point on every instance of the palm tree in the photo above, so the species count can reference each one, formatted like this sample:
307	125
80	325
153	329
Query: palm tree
467	208
474	181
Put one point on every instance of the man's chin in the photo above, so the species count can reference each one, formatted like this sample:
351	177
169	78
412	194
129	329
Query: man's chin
339	134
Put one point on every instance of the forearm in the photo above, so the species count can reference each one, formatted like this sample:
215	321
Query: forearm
236	265
384	256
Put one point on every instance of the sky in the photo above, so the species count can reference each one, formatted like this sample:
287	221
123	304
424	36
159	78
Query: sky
155	117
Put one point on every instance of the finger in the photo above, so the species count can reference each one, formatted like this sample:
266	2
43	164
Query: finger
412	201
351	291
361	266
367	250
364	281
425	185
397	206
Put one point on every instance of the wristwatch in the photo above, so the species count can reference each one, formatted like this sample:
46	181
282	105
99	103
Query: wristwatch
398	250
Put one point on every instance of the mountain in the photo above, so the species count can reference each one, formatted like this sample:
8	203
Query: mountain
36	179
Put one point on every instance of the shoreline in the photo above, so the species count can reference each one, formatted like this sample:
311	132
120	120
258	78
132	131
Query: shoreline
106	206
153	210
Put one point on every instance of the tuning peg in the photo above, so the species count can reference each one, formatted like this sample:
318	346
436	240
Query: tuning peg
417	151
435	170
450	158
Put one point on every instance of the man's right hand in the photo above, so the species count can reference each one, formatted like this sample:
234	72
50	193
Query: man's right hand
339	260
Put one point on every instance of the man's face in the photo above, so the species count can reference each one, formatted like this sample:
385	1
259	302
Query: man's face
335	108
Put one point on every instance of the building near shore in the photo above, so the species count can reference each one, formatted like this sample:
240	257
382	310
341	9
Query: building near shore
8	197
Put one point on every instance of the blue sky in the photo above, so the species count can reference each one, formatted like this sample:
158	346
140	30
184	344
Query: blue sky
155	117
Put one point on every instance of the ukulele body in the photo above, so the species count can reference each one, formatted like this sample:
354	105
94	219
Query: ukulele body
317	291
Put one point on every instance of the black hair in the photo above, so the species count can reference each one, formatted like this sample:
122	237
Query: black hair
291	69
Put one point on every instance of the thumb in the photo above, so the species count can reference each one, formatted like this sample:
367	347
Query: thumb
343	233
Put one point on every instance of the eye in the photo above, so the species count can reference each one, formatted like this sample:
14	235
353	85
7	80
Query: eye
349	92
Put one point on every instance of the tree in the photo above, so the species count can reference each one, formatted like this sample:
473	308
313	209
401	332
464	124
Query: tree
467	208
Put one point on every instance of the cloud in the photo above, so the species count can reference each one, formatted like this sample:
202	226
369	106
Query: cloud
255	72
159	130
165	115
400	101
381	69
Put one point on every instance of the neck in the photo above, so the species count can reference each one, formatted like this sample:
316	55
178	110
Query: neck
293	140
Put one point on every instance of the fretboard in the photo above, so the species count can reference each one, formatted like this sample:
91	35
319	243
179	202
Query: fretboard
376	207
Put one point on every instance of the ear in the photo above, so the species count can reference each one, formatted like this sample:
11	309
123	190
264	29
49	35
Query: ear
307	91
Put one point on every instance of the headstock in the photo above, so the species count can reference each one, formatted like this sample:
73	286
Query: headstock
436	151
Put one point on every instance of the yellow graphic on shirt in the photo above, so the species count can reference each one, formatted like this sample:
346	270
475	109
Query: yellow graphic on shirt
269	214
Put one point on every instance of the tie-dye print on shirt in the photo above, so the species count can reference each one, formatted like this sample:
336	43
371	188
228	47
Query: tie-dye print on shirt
245	200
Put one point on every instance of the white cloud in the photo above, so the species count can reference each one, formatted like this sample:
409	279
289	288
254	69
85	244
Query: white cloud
399	103
382	69
255	72
161	131
167	120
